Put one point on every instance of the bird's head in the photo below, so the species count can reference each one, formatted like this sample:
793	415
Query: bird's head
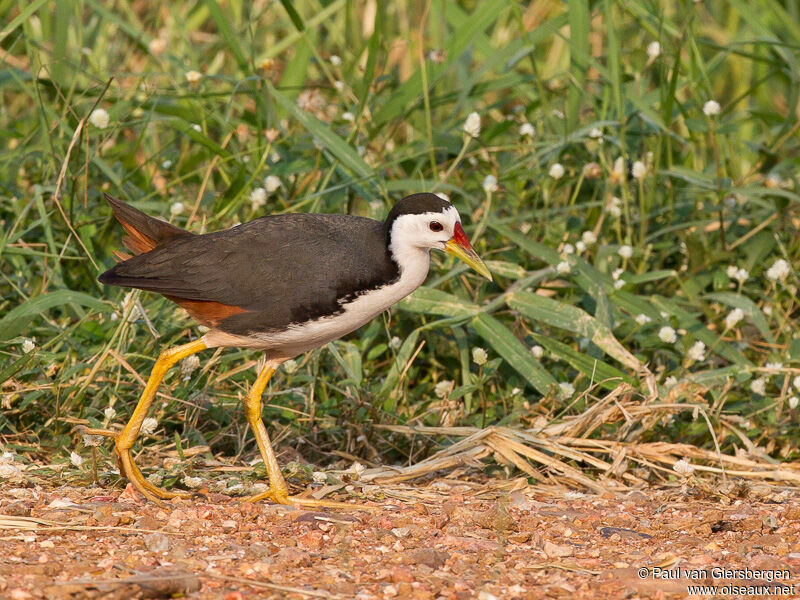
425	221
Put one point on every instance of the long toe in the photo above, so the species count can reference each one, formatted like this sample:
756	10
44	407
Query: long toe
152	492
285	499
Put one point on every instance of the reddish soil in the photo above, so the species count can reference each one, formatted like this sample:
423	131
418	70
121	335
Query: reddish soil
458	541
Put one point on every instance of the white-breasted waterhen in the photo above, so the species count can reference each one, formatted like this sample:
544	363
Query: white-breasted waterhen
283	284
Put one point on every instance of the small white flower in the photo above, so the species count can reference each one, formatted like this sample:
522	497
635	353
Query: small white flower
759	386
667	335
625	251
639	170
619	284
711	108
479	356
339	85
336	61
355	470
157	46
742	275
75	459
568	249
99	118
793	402
176	209
642	319
653	50
443	196
109	413
796	383
395	343
588	237
258	198
149	426
490	184
156	479
614	207
683	468
566	390
443	388
349	117
779	270
319	477
618	172
166	165
556	171
90	440
290	366
774	366
580	246
272	183
617	273
527	130
28	346
595	133
194	77
516	391
192	482
697	352
537	351
472	126
736	315
189	365
199	129
525	227
562	268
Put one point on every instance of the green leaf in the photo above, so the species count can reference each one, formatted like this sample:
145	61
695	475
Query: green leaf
23	16
223	22
398	364
513	351
436	302
536	249
484	15
571	318
18	318
349	358
597	371
578	13
336	145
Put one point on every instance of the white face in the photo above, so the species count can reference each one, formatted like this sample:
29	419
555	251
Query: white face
426	230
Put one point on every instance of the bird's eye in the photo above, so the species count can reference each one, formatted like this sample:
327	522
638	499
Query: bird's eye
436	226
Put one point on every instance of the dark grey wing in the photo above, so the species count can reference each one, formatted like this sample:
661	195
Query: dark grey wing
279	269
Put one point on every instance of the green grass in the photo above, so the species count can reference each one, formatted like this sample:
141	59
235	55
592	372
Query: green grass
718	190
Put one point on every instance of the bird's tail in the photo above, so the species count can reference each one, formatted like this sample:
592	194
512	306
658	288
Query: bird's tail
144	232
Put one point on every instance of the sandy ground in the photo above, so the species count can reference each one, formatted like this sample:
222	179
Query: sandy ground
460	540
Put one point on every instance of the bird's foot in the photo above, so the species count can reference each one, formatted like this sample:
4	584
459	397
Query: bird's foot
128	469
281	496
150	491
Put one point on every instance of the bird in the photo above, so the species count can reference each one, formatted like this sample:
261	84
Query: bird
282	284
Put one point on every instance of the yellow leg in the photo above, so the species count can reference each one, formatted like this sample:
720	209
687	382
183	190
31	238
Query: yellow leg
278	491
123	441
